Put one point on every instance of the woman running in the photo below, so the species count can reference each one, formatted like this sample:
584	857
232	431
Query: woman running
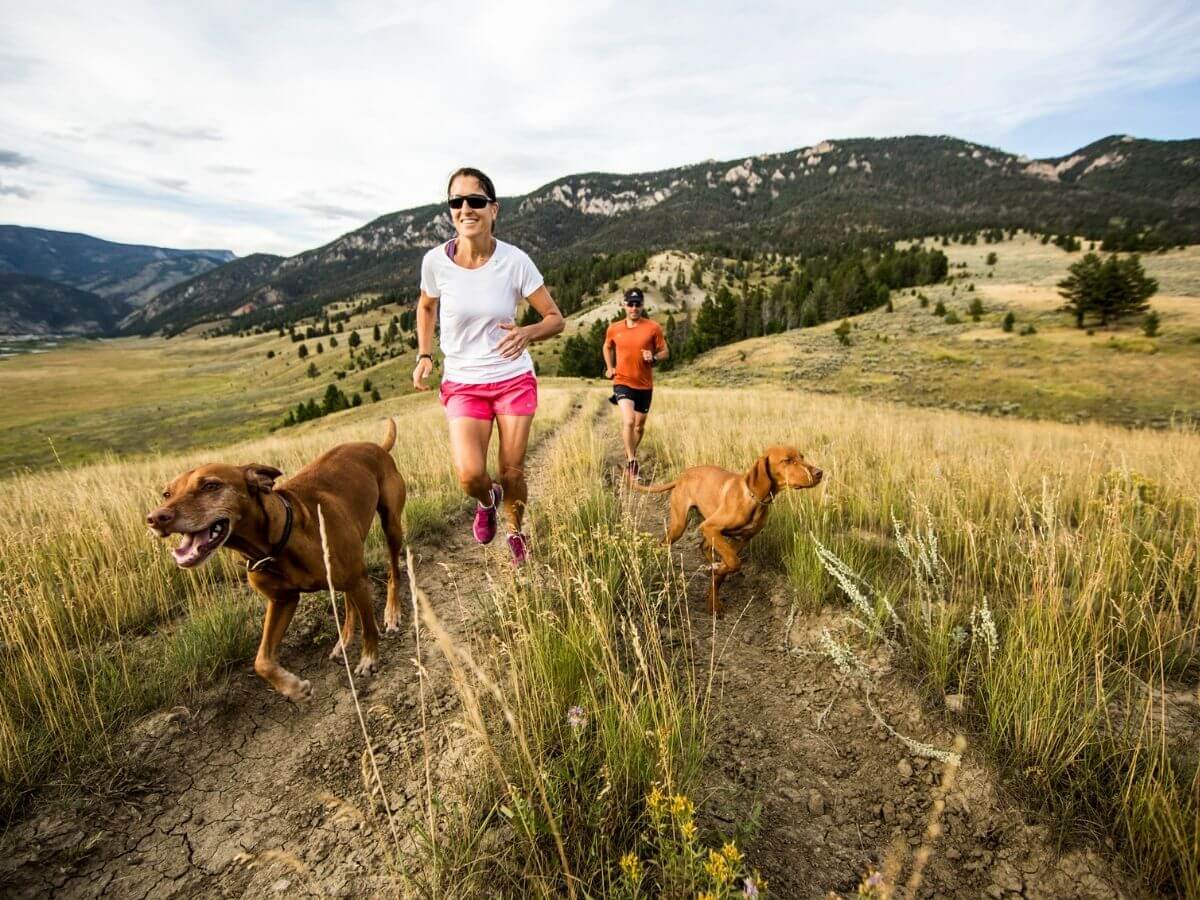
475	282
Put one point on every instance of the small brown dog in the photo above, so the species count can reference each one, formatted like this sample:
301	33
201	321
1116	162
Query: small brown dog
276	529
734	506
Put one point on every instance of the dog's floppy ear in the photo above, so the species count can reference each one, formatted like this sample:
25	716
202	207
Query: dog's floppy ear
260	477
759	479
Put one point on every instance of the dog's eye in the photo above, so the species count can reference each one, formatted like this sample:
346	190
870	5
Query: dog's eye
211	486
166	495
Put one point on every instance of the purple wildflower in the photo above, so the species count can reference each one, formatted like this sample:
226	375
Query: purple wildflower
576	717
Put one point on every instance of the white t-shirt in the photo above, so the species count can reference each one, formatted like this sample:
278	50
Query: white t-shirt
474	303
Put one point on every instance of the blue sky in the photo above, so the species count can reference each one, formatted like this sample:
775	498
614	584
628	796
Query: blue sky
276	126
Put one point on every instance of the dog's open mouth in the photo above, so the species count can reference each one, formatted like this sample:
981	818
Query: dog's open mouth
197	546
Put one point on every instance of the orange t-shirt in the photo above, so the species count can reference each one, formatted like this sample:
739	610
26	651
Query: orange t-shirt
632	370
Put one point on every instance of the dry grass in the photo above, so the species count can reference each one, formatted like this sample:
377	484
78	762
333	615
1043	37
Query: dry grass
589	726
1084	542
1060	373
96	621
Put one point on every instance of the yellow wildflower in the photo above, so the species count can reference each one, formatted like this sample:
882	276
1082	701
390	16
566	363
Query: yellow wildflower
655	798
681	806
717	867
706	895
732	853
632	867
689	830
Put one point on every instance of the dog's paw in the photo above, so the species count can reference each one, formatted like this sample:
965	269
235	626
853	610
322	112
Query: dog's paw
392	627
299	692
366	666
337	652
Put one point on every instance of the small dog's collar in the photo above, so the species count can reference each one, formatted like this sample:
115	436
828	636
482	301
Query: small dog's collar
759	500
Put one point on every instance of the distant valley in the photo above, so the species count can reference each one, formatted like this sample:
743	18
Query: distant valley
54	282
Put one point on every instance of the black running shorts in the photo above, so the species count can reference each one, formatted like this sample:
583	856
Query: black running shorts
640	398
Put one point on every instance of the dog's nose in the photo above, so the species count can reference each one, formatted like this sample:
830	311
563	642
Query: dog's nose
817	475
160	517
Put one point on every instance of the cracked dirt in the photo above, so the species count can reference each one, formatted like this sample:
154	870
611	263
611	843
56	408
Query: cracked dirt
244	794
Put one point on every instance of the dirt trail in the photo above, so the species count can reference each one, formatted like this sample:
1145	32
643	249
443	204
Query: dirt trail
232	795
836	794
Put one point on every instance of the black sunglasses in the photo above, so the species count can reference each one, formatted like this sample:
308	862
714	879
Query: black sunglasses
475	201
633	302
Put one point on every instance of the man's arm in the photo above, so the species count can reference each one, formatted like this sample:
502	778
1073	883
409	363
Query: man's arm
610	357
661	350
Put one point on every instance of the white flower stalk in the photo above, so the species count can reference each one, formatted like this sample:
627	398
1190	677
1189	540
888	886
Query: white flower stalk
983	627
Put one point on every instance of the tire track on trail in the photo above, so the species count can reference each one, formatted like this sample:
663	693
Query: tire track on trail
796	756
245	794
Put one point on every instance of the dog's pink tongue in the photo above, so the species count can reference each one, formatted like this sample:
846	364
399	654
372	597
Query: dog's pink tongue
186	546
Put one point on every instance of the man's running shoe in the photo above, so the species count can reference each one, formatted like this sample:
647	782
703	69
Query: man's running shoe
517	543
632	470
484	526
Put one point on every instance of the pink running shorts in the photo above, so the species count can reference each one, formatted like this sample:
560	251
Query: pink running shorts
511	397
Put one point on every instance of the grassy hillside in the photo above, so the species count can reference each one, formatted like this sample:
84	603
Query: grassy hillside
1060	372
1079	682
136	395
133	395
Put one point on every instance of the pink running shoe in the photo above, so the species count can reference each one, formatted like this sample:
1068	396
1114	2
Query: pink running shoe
517	543
484	526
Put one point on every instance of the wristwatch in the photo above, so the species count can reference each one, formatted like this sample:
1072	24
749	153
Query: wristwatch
421	356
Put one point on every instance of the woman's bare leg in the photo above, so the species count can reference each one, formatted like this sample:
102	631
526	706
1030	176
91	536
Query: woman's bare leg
469	439
514	441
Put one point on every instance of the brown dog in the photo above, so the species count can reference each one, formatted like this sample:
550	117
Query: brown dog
734	506
276	529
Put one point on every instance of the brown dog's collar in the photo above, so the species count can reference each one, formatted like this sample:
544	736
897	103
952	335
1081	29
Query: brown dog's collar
770	494
759	500
276	549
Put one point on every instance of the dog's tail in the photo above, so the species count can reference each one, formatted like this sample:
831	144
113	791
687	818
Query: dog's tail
389	439
654	488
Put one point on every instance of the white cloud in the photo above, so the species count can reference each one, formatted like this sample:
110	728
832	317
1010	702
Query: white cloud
275	126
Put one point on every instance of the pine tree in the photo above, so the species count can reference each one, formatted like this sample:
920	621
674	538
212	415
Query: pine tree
1111	289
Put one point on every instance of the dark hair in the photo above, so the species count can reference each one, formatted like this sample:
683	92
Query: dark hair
484	181
488	187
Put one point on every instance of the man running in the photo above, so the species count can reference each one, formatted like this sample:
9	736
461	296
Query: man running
631	350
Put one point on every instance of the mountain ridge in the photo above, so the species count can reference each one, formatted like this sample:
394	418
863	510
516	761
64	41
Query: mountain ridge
798	200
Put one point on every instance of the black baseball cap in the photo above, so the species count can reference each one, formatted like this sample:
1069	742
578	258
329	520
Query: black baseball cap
634	296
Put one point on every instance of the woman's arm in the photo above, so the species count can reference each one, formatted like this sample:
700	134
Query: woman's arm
426	317
520	336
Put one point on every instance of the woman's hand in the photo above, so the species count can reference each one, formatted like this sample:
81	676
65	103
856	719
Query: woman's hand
421	372
515	342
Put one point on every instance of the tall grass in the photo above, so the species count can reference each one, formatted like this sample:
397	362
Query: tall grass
592	725
1082	540
97	624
